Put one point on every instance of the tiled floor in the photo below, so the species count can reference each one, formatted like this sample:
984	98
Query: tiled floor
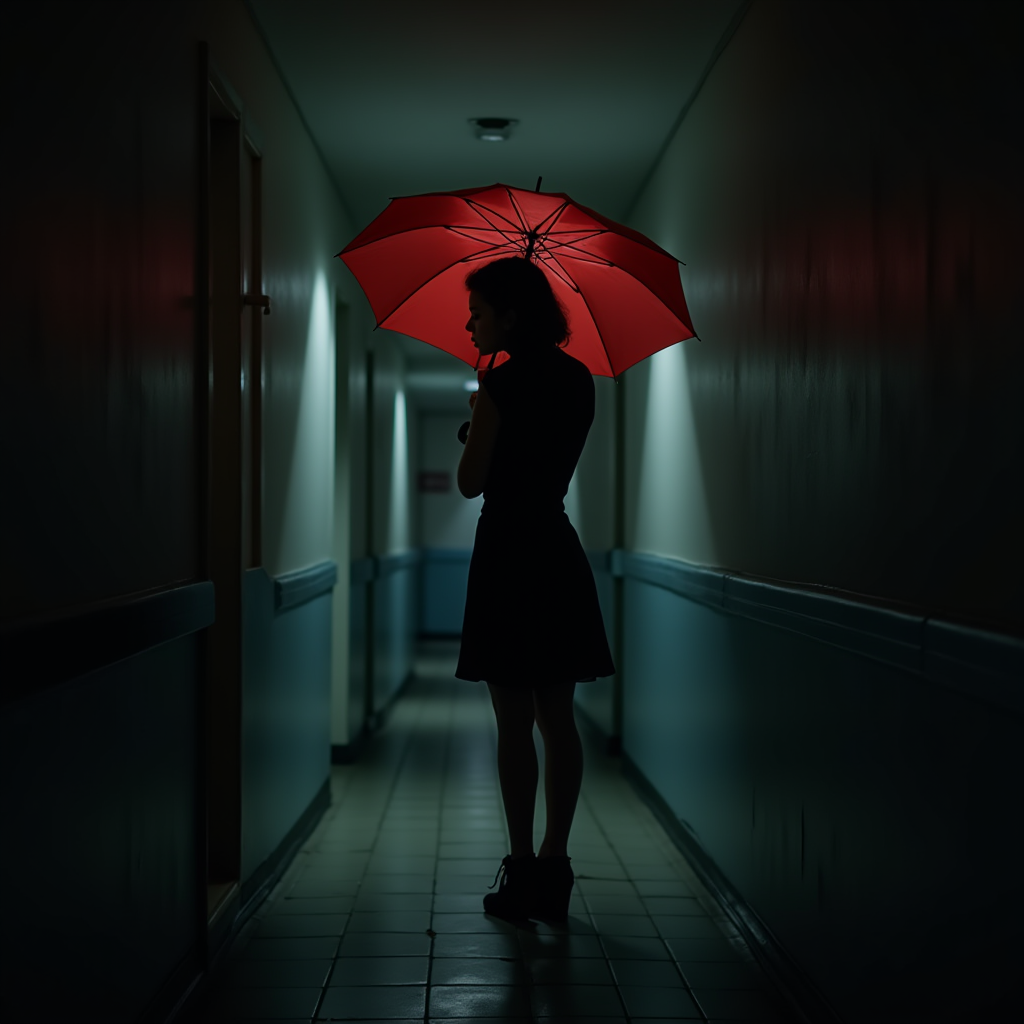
380	917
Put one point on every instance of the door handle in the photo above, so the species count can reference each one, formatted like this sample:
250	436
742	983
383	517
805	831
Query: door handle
258	300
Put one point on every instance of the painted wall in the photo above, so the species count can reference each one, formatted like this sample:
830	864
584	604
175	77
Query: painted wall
851	417
850	421
101	408
446	526
100	477
305	224
395	562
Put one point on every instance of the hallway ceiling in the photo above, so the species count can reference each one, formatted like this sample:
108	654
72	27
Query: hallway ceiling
388	88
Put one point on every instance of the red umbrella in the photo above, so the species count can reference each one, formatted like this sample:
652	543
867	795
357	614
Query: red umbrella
621	292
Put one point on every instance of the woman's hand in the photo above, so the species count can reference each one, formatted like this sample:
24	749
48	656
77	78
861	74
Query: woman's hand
472	399
476	456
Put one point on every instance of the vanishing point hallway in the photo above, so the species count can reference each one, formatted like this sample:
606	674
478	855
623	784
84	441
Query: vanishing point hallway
379	917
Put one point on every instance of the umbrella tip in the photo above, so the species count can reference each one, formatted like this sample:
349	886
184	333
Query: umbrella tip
539	180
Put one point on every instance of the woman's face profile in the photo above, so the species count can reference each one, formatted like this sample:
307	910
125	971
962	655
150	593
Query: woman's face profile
489	331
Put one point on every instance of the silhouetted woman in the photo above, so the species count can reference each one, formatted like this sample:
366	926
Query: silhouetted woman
532	627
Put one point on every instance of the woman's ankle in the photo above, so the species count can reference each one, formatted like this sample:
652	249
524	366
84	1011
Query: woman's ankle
545	853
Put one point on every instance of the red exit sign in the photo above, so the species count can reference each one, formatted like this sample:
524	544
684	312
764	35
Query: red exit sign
435	482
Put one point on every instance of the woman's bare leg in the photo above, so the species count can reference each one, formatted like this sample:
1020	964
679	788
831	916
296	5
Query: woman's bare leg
517	763
563	764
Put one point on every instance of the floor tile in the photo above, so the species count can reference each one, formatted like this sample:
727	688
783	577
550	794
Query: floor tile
477	971
615	905
397	871
734	974
679	927
384	944
445	924
455	945
478	866
679	905
381	970
324	887
662	887
286	925
703	949
479	1001
411	865
468	884
320	948
313	905
379	902
278	973
605	887
458	903
622	947
269	1003
659	1001
647	972
568	1002
399	883
553	944
624	924
605	871
653	873
390	921
489	851
585	1020
741	1005
374	1002
569	971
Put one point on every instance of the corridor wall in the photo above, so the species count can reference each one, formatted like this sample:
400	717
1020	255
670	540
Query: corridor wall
288	677
823	559
104	594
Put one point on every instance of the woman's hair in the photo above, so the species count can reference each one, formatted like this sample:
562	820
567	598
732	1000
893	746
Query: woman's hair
519	284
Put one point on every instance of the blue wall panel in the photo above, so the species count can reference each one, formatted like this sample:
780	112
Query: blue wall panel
395	613
99	841
442	591
357	655
286	740
844	798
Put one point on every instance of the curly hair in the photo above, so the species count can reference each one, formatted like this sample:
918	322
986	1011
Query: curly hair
519	284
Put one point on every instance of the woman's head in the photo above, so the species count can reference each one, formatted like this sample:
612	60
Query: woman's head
523	310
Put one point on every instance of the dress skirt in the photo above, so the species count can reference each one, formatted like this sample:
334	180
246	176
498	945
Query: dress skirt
532	616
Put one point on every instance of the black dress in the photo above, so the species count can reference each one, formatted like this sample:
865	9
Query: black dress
532	615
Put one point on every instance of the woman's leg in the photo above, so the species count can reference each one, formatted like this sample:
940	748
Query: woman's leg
517	763
563	764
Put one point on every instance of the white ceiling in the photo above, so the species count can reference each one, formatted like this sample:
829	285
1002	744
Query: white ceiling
387	89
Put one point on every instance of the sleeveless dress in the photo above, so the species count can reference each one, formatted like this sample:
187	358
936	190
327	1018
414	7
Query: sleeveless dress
532	616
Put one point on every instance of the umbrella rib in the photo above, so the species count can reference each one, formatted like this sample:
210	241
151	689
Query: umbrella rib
465	233
423	284
504	232
483	211
583	257
523	223
552	264
554	216
593	319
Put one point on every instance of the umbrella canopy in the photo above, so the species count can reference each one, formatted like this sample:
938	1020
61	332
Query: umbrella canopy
621	292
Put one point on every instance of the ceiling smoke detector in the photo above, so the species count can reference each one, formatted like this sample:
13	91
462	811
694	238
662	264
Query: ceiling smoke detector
492	129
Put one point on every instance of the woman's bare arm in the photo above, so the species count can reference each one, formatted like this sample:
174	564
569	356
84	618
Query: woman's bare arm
476	456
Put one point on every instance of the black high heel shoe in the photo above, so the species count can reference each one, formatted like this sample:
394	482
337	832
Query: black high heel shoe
553	882
515	896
